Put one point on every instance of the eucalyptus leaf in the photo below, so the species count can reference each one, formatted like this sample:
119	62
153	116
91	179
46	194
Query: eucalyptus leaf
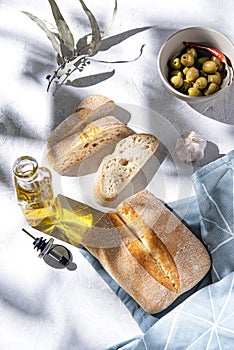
63	29
82	45
106	31
96	34
65	51
51	36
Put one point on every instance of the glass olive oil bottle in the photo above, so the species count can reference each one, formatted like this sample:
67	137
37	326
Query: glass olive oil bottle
34	192
60	217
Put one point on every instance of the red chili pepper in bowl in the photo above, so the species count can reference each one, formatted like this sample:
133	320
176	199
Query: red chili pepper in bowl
211	50
214	52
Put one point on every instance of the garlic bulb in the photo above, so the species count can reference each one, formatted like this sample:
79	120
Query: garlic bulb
190	146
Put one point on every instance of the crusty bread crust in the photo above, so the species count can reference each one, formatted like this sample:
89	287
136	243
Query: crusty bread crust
154	271
188	253
169	276
96	101
79	146
106	242
91	108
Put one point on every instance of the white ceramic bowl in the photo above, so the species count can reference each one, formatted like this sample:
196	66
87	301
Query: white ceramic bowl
174	45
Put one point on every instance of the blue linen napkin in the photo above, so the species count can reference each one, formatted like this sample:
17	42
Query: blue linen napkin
202	318
214	188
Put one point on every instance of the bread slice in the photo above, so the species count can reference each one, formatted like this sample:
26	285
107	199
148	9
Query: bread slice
79	146
119	168
91	108
181	255
148	251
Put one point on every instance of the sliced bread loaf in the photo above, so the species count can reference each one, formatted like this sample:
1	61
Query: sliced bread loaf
119	168
91	108
79	146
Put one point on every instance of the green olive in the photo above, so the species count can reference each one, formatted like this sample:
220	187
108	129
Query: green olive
210	67
176	72
192	74
175	63
185	70
176	82
186	85
201	60
187	59
201	83
192	52
219	63
212	88
193	91
215	78
215	59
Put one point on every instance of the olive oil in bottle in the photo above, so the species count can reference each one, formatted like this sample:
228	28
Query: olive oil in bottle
34	192
60	217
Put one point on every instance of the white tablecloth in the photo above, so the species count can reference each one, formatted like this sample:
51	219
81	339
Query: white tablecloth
42	308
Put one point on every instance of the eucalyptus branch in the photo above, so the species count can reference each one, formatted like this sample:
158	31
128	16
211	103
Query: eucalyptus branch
73	57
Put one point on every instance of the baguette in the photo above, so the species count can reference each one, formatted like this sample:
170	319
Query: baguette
79	146
119	168
148	251
91	108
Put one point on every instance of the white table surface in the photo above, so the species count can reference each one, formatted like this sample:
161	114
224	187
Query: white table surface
42	308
